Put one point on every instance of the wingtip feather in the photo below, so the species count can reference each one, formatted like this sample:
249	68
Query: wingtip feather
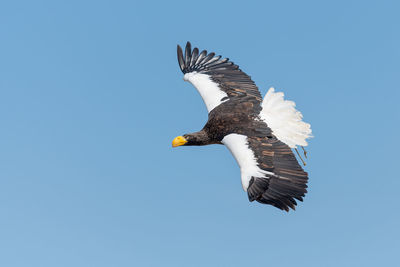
181	61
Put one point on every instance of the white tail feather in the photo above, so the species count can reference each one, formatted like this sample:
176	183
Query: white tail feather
284	120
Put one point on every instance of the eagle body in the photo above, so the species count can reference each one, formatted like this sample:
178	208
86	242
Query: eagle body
259	133
237	115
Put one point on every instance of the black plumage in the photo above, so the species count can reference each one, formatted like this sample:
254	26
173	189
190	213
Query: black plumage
230	78
285	181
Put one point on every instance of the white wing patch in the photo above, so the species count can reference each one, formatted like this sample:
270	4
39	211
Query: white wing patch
238	145
209	90
284	120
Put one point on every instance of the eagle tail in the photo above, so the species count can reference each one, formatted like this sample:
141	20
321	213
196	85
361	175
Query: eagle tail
284	120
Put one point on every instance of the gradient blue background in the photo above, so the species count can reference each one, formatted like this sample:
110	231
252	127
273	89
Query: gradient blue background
91	97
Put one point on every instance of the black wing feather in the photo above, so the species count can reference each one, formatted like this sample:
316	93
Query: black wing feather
181	61
230	78
188	54
289	181
200	58
195	54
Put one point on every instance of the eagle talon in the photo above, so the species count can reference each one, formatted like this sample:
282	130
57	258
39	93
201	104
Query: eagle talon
304	163
304	151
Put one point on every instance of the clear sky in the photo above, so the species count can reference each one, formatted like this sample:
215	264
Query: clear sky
91	97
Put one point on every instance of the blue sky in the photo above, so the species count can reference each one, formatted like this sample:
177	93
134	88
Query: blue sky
91	97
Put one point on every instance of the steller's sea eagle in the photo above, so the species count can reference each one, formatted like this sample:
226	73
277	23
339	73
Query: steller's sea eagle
259	133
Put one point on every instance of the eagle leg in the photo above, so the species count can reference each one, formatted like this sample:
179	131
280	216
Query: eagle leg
304	151
300	157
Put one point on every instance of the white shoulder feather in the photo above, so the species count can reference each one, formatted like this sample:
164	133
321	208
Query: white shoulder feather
209	90
284	120
238	145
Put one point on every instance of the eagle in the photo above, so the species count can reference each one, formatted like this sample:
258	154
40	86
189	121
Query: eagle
260	133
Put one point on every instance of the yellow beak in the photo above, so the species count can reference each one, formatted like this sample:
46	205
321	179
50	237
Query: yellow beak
179	141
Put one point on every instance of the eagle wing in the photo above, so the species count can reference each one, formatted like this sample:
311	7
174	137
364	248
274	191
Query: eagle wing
270	172
217	79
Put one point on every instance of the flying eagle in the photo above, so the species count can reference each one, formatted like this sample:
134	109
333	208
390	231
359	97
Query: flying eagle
259	133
